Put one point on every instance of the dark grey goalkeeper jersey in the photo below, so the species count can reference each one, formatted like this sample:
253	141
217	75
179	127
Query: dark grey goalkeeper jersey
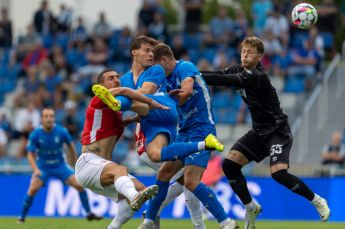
257	92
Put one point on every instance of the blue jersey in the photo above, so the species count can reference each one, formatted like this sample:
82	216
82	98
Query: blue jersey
158	121
154	74
48	146
197	111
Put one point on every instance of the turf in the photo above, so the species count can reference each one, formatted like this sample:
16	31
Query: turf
77	223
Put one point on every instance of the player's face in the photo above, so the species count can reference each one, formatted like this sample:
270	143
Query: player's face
111	79
48	118
144	55
250	57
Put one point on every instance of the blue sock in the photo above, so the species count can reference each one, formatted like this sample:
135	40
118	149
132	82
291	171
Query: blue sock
179	150
126	103
26	205
84	201
156	202
210	201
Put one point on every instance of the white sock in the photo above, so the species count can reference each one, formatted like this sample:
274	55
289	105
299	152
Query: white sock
316	197
194	208
124	213
251	206
148	221
125	186
174	191
201	145
225	222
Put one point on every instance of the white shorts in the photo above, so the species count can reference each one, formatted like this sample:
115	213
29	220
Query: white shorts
156	165
88	170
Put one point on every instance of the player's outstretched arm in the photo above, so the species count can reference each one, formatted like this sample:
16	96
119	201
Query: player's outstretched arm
72	156
215	79
137	96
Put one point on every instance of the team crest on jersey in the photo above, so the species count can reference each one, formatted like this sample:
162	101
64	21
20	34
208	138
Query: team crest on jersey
242	92
57	140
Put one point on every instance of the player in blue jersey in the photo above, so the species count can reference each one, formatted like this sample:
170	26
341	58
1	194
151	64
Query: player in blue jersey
159	127
195	121
45	155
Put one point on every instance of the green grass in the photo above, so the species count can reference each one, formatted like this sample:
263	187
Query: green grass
77	223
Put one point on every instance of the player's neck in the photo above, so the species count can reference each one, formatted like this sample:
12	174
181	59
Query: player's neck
137	69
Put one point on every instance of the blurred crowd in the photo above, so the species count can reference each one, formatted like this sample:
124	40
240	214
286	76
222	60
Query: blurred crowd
58	57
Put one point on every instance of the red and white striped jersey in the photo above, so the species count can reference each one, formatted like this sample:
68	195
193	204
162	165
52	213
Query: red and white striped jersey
101	122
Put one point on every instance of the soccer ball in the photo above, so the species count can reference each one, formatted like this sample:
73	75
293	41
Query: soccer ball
304	15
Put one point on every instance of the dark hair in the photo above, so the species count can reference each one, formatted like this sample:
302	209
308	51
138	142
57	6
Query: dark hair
100	77
254	42
47	108
138	41
162	50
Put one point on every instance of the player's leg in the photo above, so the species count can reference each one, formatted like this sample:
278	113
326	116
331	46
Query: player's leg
118	175
232	166
192	178
110	179
124	211
36	183
159	150
280	144
164	175
83	198
194	208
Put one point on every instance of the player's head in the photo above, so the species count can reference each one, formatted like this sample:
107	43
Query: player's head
142	50
164	57
109	78
48	118
252	51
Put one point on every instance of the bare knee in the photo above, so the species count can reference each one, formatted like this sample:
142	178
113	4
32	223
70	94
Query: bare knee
154	155
165	173
111	172
191	183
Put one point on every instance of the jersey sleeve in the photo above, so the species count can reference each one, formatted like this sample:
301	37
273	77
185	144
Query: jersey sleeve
32	146
156	75
67	138
251	80
187	69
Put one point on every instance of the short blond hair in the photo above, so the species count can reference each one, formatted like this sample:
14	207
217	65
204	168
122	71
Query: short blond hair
254	42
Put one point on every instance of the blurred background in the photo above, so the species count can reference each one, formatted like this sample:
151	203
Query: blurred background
51	52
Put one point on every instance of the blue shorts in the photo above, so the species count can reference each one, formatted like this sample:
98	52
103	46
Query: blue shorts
160	121
200	158
62	172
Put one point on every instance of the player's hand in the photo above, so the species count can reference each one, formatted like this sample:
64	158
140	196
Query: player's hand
115	91
155	105
175	92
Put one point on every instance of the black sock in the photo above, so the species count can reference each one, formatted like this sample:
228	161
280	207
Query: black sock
293	183
237	181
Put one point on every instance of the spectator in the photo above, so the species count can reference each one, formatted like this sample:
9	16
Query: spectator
193	10
64	19
158	28
260	12
70	121
27	42
43	20
80	32
333	154
178	48
146	14
221	27
5	30
35	56
3	142
101	29
279	26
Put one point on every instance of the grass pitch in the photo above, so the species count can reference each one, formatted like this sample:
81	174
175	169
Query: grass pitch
77	223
